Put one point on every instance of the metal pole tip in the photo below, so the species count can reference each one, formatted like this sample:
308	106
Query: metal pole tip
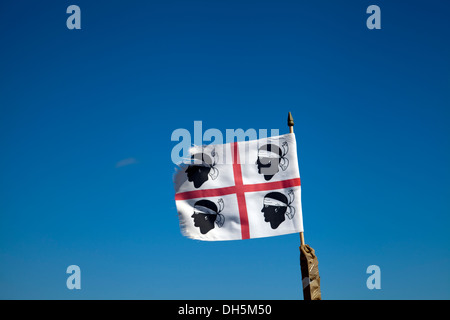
290	120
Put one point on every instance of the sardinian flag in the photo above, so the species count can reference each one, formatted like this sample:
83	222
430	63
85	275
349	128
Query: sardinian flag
240	190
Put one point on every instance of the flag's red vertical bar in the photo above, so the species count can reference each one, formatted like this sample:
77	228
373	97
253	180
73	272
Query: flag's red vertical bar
237	172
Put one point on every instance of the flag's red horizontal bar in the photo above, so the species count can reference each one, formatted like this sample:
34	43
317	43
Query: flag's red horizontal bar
230	190
205	193
272	185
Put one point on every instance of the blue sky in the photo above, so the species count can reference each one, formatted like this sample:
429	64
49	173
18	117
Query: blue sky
86	118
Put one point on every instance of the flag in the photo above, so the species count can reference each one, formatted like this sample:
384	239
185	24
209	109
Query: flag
240	190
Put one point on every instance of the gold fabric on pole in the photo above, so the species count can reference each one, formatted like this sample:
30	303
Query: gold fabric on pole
310	273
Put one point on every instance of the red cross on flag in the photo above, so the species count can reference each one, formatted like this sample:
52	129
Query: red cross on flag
240	190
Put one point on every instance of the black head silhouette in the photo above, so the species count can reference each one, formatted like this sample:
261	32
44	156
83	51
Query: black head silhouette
206	214
274	209
276	206
198	173
269	156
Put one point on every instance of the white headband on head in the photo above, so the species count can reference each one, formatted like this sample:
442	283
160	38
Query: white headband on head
267	154
204	210
274	202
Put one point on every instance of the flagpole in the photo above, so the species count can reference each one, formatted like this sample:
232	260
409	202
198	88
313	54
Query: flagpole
308	259
291	130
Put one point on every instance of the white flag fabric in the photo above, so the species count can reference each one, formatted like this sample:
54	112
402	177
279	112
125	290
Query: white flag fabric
240	190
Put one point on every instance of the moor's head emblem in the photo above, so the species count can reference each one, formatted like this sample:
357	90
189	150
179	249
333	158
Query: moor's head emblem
277	206
270	158
207	214
202	167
